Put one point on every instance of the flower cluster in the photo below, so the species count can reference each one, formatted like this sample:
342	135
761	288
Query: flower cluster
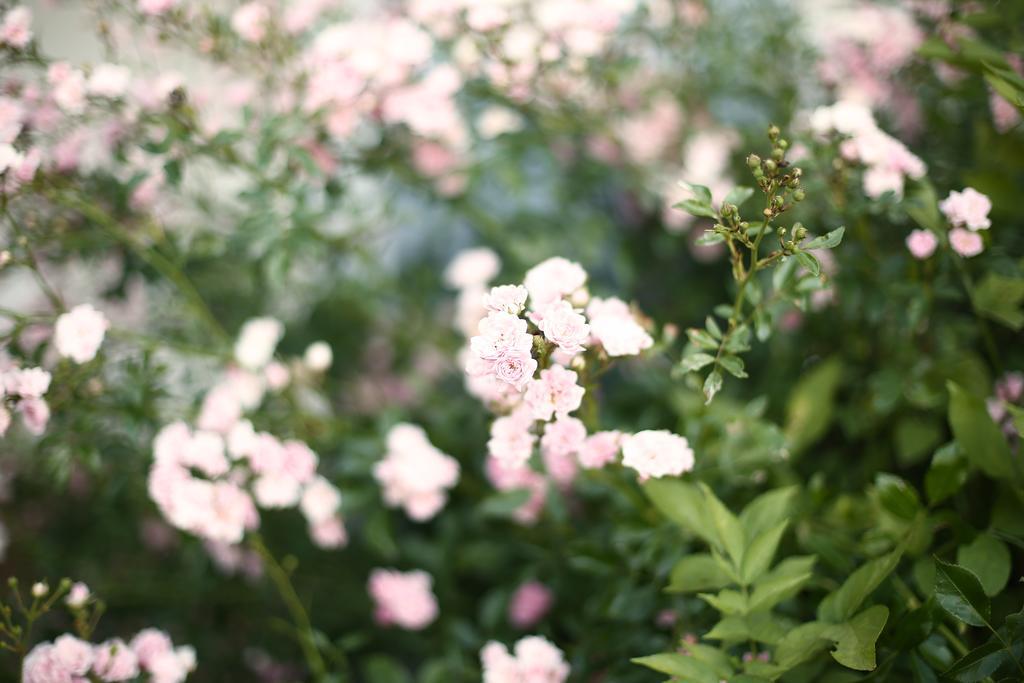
1005	405
22	389
525	358
79	333
533	660
887	161
967	214
403	599
150	654
414	474
208	481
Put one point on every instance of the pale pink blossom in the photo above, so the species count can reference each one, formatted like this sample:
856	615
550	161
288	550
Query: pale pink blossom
329	533
156	7
318	356
509	299
35	414
109	80
599	449
257	341
16	27
529	604
553	279
615	328
922	243
146	193
966	242
414	474
68	87
535	660
657	453
967	209
320	501
556	392
78	596
115	661
564	327
511	441
403	599
25	382
150	643
78	333
514	367
75	654
472	268
277	375
564	436
12	118
44	665
250	21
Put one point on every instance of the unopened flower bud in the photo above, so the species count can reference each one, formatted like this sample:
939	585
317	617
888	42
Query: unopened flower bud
78	595
773	132
783	143
799	196
770	166
40	589
318	356
778	154
753	161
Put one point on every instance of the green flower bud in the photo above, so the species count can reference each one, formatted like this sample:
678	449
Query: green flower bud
799	196
778	154
770	166
753	161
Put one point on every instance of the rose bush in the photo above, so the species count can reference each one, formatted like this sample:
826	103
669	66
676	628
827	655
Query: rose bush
525	341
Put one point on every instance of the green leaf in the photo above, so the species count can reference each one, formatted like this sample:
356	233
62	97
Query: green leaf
811	405
767	510
829	240
733	365
762	628
712	385
383	669
727	529
738	195
988	558
717	660
947	473
802	644
979	663
810	262
697	208
727	601
712	327
710	237
701	193
760	553
842	603
855	640
682	503
696	361
959	592
922	205
684	666
897	496
1001	298
504	504
702	338
979	437
697	572
777	586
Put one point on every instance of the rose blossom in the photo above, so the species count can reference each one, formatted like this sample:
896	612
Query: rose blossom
472	268
43	665
535	660
79	333
115	661
529	604
414	474
599	449
506	299
555	393
657	453
552	279
78	595
257	341
922	243
966	242
403	598
16	29
515	367
968	208
76	655
563	326
250	21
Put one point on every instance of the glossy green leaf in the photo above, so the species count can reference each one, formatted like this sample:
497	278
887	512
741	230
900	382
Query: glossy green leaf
712	385
842	603
760	552
729	535
811	404
855	640
683	666
683	503
947	473
979	663
988	558
829	240
979	437
738	195
959	592
897	496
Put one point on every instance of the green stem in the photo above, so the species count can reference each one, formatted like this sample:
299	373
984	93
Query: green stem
295	607
51	294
